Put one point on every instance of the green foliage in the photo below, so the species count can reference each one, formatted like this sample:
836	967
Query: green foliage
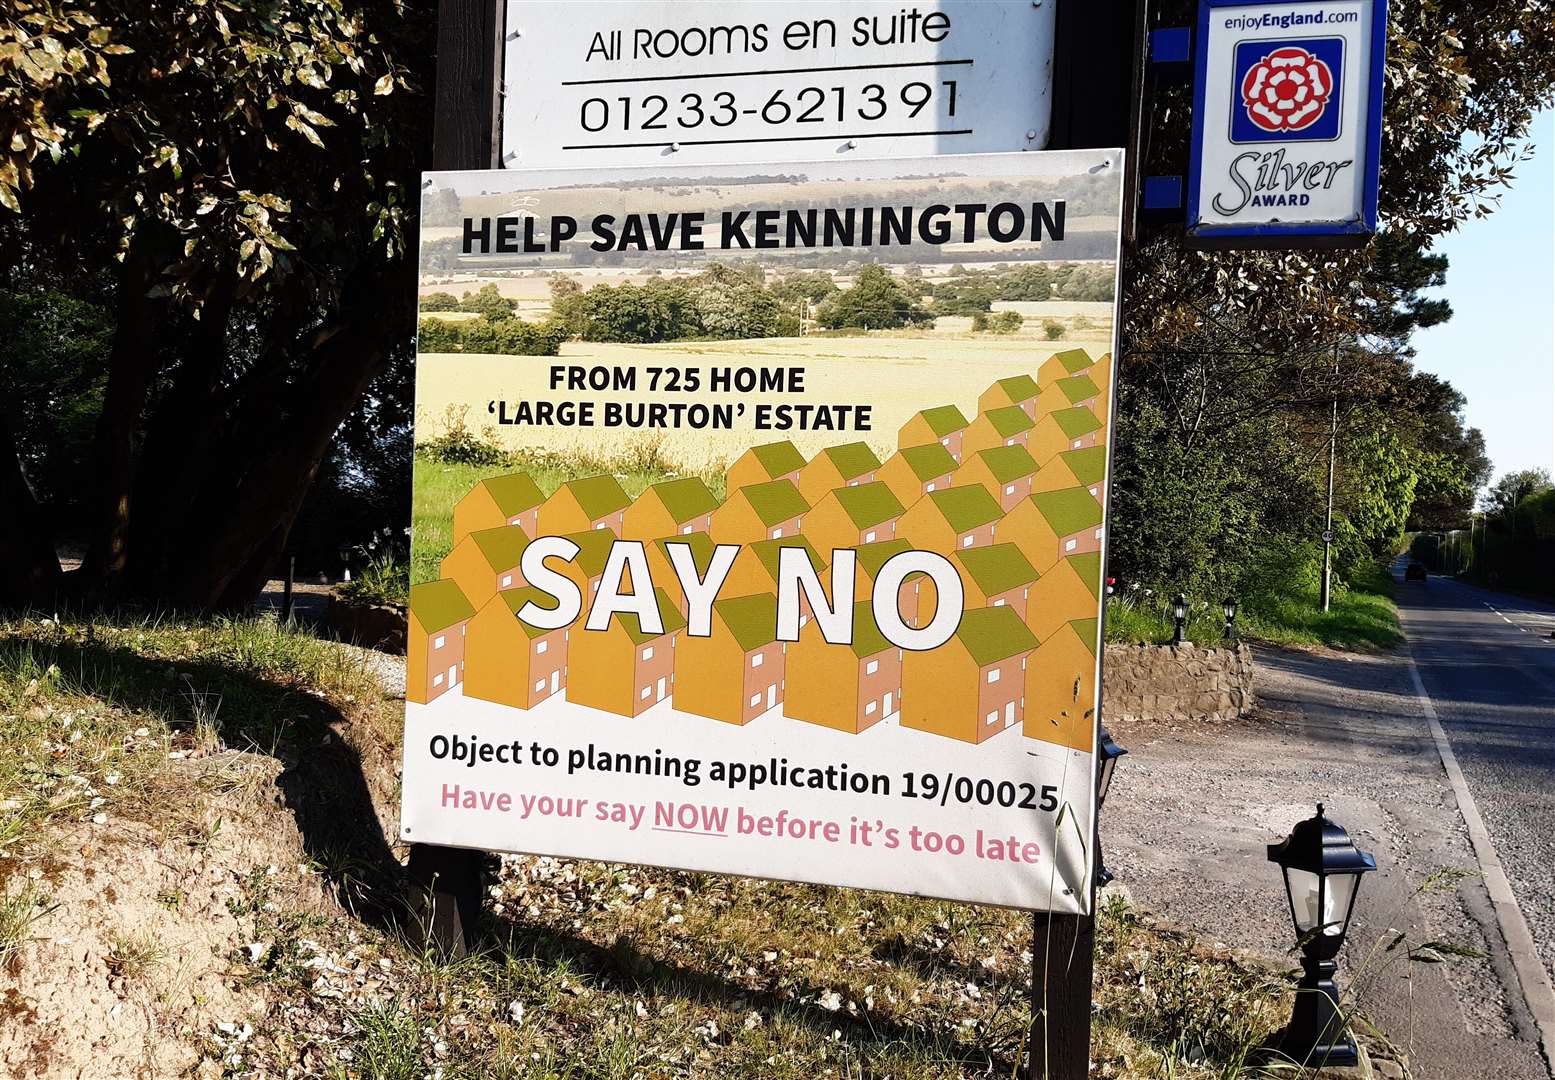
814	286
964	296
377	577
501	336
440	301
487	301
875	302
724	302
1052	330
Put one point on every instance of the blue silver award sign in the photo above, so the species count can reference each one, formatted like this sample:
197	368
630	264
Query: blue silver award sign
1287	123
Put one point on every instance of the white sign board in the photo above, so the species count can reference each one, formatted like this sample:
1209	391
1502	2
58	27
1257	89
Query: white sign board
785	555
1286	121
700	81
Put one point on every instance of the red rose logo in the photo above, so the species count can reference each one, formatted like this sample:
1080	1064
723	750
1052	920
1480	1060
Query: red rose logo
1287	90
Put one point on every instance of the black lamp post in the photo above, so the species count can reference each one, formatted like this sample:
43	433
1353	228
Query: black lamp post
1322	870
1230	609
1107	753
1180	616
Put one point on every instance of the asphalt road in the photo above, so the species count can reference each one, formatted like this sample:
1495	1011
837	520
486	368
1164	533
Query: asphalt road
1193	806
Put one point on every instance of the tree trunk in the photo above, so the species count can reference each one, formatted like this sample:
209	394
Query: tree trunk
29	567
132	362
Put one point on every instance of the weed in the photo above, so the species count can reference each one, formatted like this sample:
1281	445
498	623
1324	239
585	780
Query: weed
19	910
132	955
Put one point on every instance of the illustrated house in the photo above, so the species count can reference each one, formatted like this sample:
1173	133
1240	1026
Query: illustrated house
764	464
663	570
1066	429
1075	392
1019	390
434	647
624	669
759	512
755	568
1086	467
1008	426
1052	525
509	661
916	471
943	424
947	521
1005	472
1068	591
973	686
594	502
486	562
868	559
1061	687
674	507
846	687
496	501
588	566
848	516
848	465
1061	365
736	674
995	576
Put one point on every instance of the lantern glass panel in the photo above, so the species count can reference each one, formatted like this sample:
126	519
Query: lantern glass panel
1316	901
1108	763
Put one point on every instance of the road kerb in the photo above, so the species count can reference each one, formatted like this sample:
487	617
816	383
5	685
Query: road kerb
1537	989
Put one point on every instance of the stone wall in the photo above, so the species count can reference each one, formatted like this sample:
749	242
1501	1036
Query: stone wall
1172	682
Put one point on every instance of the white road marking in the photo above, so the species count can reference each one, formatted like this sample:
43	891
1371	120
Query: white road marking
1537	989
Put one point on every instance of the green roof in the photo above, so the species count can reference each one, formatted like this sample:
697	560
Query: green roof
943	419
437	605
1074	360
868	504
751	619
852	459
515	599
1068	510
1076	422
778	458
966	508
1008	463
593	550
992	634
871	557
701	548
929	460
502	547
1085	630
997	568
867	638
685	498
1087	566
1019	387
776	501
1089	464
767	552
668	614
599	495
1078	388
513	493
1010	420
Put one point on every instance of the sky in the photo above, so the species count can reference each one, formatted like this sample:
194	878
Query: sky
1498	348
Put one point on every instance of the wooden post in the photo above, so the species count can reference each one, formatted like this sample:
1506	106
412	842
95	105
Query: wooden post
1062	960
447	883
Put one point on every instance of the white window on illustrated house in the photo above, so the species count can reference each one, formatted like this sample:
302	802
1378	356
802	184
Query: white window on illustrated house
755	700
542	647
869	537
539	685
871	667
993	718
439	642
648	653
869	710
995	675
758	660
1093	491
1070	545
1098	534
999	602
686	531
776	533
945	441
1023	663
646	691
1009	489
1009	442
507	580
928	487
1077	443
600	524
853	483
968	540
437	680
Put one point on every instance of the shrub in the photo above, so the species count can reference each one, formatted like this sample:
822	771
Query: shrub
383	579
440	301
488	302
980	322
1052	330
875	302
503	337
1005	322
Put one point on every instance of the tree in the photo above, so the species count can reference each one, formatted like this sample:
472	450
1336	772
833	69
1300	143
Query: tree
488	301
1510	492
875	302
234	186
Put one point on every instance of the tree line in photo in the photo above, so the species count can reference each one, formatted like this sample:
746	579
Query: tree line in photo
741	300
1510	544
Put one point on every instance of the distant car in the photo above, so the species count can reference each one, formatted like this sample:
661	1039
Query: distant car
1414	572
